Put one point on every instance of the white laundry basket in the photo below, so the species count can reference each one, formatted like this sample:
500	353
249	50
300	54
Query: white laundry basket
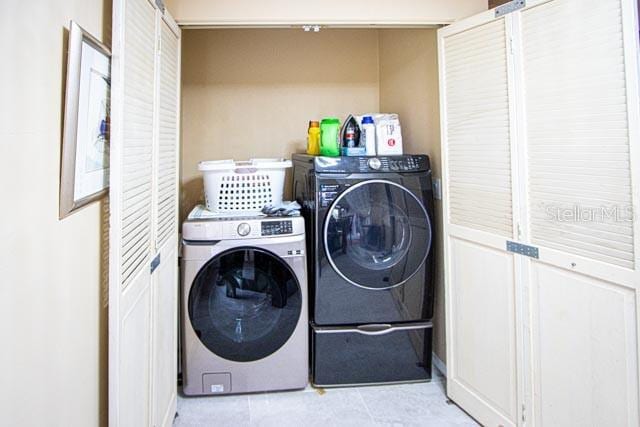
246	186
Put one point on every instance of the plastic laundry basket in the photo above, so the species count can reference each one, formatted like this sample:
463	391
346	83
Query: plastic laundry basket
246	186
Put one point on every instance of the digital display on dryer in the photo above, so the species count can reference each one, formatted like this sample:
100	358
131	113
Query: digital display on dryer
275	228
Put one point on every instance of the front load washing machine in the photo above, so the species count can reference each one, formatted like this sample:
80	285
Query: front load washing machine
244	305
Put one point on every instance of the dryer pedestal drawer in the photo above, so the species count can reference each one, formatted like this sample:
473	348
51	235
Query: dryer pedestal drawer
371	354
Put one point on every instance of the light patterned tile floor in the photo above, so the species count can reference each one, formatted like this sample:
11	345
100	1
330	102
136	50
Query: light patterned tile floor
421	404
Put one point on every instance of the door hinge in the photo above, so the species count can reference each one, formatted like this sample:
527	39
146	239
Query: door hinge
160	5
524	418
519	248
511	45
507	8
155	263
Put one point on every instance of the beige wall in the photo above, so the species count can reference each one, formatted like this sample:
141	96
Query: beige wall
251	93
52	315
335	12
409	87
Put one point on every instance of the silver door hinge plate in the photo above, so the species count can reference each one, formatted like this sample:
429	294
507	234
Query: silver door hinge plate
160	5
519	248
155	263
512	6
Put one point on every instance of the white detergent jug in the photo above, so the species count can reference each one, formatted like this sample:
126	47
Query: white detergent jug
368	135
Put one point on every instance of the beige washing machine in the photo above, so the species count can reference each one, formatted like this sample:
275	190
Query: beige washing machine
244	305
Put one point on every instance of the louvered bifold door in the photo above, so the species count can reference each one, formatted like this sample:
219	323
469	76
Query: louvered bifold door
165	275
478	142
131	232
580	120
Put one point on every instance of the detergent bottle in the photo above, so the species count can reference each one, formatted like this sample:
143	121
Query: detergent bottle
313	138
369	135
330	137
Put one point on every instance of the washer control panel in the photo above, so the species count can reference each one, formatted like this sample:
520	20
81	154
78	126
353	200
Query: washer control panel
276	228
247	227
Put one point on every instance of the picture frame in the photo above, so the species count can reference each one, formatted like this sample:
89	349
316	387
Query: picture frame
84	174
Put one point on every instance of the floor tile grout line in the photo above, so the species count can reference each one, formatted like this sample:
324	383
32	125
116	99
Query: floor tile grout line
364	403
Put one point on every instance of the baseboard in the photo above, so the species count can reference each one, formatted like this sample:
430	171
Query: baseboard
439	365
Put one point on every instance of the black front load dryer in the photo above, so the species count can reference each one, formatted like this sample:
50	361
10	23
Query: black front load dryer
370	236
369	223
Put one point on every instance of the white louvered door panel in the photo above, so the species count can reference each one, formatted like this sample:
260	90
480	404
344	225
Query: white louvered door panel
577	128
130	240
580	114
143	227
478	153
137	139
478	134
165	277
167	151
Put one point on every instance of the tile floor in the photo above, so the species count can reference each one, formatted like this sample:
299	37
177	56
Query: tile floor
422	404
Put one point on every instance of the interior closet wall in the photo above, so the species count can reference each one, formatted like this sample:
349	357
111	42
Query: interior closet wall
53	323
251	93
409	87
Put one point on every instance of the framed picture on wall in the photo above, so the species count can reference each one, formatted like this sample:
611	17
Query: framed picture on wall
84	175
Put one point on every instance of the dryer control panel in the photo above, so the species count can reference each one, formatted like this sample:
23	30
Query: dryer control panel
368	164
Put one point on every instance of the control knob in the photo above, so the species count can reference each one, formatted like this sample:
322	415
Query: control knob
374	163
244	229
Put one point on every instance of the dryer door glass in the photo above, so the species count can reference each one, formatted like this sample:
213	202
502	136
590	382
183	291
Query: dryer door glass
244	304
377	234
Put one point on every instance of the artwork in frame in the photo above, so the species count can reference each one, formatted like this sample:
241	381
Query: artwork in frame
85	143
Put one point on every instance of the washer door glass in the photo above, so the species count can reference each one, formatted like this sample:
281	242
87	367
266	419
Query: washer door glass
377	234
244	304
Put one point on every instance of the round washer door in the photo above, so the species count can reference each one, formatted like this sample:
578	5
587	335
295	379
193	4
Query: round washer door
244	304
377	234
